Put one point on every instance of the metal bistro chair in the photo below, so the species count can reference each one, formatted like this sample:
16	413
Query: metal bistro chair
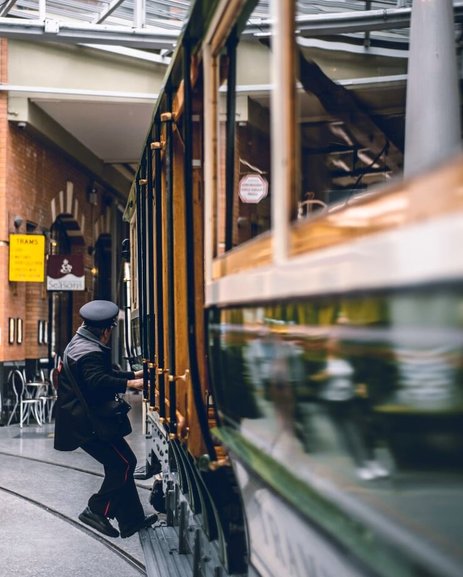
15	381
50	396
32	392
36	389
23	399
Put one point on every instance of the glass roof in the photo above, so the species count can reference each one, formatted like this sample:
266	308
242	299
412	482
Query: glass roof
165	14
153	26
161	16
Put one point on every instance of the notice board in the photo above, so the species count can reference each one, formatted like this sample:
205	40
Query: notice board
65	272
27	258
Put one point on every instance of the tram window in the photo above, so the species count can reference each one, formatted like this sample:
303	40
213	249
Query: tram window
134	265
136	336
102	284
220	200
244	151
351	114
459	48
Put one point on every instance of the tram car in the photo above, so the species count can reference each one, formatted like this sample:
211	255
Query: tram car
296	294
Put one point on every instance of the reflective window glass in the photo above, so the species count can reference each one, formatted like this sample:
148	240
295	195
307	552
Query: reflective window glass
351	112
357	396
352	89
244	188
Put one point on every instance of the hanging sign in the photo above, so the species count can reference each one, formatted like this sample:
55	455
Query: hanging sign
27	258
65	272
253	188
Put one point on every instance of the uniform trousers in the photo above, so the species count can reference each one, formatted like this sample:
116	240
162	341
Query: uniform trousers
118	496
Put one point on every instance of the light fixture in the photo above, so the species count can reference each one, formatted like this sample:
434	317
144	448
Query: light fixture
17	221
19	331
30	226
92	195
42	332
11	330
39	332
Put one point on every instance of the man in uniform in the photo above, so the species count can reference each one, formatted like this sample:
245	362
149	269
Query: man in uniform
89	361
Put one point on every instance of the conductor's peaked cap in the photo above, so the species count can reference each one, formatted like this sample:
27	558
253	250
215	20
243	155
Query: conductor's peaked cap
100	313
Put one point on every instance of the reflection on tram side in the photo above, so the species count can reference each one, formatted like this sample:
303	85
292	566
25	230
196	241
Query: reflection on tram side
355	389
350	370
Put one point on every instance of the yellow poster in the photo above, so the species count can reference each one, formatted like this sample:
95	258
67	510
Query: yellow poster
27	258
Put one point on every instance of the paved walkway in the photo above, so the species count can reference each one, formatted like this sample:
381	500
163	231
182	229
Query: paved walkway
42	492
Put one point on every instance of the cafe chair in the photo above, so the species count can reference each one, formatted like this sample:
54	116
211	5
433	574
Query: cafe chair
25	397
15	382
50	395
26	403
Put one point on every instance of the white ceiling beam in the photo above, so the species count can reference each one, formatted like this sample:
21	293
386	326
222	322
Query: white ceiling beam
139	13
42	9
345	22
132	53
7	7
81	33
51	90
108	11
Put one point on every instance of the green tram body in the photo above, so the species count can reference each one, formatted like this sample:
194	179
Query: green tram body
303	352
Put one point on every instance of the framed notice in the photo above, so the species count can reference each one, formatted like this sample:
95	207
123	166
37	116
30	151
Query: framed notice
253	188
27	258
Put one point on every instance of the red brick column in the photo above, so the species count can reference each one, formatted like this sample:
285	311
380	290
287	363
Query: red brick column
3	201
38	183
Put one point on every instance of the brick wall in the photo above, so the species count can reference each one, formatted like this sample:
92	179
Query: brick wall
32	175
3	202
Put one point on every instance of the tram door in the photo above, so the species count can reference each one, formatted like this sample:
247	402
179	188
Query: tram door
103	280
102	289
60	303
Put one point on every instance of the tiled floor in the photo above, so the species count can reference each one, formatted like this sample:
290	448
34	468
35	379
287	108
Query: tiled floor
35	539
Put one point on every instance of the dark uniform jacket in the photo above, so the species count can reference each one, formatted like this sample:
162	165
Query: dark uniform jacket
90	363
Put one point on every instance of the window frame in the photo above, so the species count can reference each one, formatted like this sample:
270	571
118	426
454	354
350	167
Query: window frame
272	245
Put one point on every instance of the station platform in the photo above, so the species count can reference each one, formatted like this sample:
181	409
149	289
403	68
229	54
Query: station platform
43	491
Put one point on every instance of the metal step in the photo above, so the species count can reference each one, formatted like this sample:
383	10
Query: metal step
160	546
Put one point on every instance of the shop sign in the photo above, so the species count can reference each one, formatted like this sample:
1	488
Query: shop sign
65	272
253	188
27	258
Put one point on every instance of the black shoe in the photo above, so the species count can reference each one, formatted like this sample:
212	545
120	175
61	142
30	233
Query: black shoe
98	522
143	524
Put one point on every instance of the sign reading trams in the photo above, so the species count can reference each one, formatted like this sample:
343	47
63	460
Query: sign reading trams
253	188
27	258
65	272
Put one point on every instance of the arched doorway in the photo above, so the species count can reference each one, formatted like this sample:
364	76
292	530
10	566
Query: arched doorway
102	287
65	239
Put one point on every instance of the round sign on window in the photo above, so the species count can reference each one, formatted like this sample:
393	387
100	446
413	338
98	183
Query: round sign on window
253	188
